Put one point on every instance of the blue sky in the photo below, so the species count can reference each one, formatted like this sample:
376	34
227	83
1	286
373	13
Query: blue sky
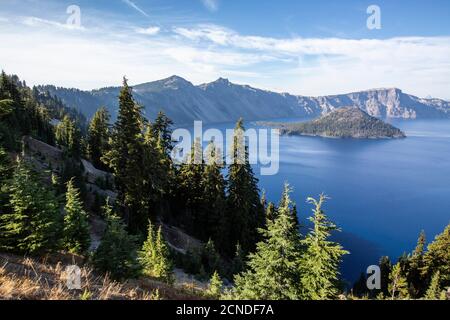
303	47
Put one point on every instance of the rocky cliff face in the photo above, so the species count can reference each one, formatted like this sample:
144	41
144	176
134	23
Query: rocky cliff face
223	101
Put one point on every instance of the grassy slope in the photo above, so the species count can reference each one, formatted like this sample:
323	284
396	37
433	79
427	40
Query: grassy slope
44	279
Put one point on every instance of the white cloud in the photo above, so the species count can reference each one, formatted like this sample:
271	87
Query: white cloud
135	7
211	5
333	65
197	57
150	31
43	51
39	22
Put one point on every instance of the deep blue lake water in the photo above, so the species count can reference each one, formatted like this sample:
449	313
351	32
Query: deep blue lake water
382	192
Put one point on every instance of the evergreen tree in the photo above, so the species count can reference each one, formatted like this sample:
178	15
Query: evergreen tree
190	190
76	222
21	114
5	166
434	290
271	211
5	175
6	107
98	137
212	220
162	131
398	286
210	258
158	174
163	265
154	256
293	207
215	285
360	287
385	269
116	253
238	263
320	262
245	212
147	254
274	270
68	136
72	169
437	258
126	159
415	266
264	199
31	224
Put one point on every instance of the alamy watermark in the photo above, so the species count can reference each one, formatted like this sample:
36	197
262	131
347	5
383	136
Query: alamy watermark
259	146
374	20
74	19
73	277
374	277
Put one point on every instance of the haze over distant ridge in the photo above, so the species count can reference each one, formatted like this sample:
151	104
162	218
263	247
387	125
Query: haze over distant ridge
223	101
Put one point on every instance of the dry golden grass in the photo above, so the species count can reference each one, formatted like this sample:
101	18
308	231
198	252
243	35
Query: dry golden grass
30	279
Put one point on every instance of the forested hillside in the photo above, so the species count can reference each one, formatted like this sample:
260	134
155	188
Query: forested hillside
161	219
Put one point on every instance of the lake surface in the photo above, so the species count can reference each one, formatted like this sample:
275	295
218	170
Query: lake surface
382	192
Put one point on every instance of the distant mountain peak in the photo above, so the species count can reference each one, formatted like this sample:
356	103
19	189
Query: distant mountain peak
222	80
222	101
173	82
391	90
176	80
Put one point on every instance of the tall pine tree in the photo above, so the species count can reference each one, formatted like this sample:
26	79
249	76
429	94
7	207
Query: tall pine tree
415	266
190	190
162	131
32	222
434	290
214	199
98	137
117	253
68	136
76	222
321	259
385	269
158	174
398	286
126	159
437	258
274	270
154	256
244	209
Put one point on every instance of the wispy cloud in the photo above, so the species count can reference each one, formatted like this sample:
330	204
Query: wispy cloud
150	31
416	64
201	53
37	22
211	5
135	7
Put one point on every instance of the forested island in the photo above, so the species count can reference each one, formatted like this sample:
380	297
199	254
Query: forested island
348	122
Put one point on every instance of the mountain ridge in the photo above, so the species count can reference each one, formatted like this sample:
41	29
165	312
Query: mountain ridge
224	101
